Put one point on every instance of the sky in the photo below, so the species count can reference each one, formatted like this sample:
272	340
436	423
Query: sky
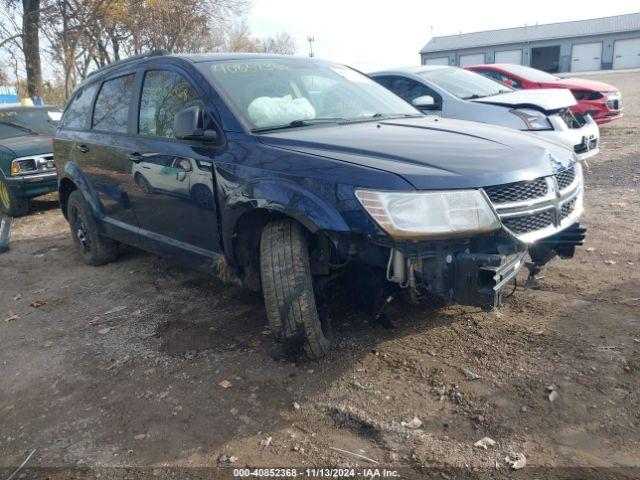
372	35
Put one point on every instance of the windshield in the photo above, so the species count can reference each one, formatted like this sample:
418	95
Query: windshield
293	92
530	74
40	120
463	83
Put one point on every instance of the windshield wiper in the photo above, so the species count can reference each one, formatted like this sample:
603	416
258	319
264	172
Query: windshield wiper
298	123
473	97
18	126
382	116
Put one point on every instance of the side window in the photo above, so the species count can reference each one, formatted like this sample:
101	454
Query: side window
79	108
500	77
384	81
164	94
409	89
111	112
512	82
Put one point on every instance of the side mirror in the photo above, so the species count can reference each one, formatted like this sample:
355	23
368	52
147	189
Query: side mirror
425	102
187	125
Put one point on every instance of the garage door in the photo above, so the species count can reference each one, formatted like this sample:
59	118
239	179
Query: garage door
509	56
626	53
437	61
468	60
586	57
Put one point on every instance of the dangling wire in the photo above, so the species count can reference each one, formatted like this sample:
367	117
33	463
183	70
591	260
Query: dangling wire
515	286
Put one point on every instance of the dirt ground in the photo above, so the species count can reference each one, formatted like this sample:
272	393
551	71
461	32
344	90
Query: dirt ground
121	365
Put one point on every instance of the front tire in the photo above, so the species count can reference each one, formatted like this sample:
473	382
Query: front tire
143	183
10	204
94	249
287	286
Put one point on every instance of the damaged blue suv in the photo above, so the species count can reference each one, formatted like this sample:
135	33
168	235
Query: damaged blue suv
292	172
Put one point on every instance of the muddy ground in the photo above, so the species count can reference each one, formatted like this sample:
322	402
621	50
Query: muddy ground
121	365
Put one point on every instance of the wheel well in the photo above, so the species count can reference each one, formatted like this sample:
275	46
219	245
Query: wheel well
246	244
64	190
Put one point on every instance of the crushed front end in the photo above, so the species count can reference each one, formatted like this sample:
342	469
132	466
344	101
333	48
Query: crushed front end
537	220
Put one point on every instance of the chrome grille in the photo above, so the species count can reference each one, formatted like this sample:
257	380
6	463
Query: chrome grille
518	191
566	178
567	208
613	104
539	208
35	164
529	223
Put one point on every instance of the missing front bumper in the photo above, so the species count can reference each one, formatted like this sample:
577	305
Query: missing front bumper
474	272
480	278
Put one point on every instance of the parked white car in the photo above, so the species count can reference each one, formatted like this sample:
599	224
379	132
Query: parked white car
176	176
453	92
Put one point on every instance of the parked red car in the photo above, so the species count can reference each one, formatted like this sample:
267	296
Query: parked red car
601	100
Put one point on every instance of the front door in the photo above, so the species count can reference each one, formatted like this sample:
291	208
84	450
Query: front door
175	193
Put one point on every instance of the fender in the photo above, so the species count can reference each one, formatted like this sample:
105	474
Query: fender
72	172
284	197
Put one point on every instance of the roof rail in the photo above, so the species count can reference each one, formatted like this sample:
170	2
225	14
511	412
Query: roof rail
152	53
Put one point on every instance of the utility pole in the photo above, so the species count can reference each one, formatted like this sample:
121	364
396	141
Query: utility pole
310	39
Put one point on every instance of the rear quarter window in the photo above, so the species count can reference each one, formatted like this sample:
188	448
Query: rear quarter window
77	113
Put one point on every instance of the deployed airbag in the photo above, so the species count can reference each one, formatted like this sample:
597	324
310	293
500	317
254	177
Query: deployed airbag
271	111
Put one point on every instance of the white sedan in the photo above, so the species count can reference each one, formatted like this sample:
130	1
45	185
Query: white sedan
453	92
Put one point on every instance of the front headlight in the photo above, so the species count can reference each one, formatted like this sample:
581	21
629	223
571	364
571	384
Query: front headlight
533	119
23	166
430	214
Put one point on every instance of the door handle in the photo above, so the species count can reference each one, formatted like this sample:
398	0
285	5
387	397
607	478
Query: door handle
135	157
83	148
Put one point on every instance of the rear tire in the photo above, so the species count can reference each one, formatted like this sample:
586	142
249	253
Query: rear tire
10	204
94	249
287	286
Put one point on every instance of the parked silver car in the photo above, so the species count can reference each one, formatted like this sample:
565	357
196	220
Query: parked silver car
457	93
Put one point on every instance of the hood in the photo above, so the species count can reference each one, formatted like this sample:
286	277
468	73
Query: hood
547	100
582	84
431	153
26	145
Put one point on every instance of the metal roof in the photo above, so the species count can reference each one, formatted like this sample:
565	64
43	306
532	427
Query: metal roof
578	28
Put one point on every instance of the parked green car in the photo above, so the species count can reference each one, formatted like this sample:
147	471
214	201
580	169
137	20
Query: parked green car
26	159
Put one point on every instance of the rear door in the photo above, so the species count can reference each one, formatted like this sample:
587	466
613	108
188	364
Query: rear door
101	153
75	121
180	211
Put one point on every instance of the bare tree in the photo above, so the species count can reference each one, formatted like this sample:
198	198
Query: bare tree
86	34
282	44
238	38
31	46
11	36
